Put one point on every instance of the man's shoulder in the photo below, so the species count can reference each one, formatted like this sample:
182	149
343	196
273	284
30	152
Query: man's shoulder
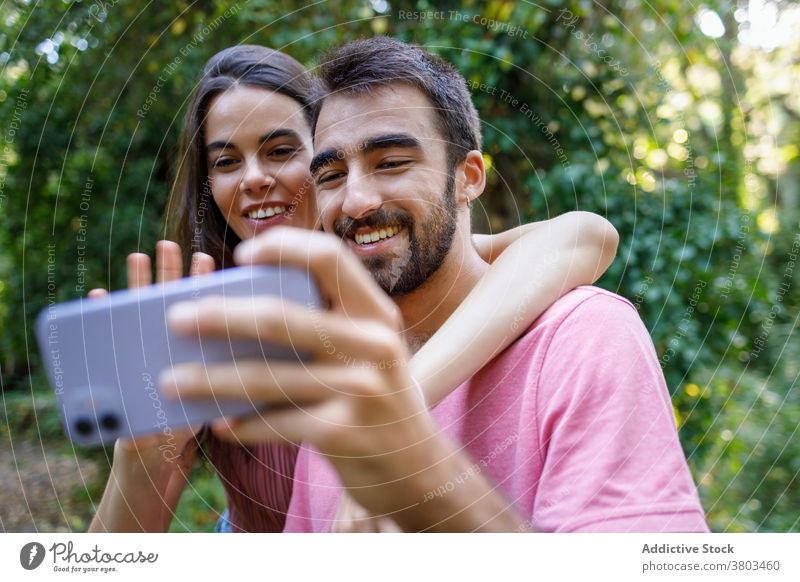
587	319
585	307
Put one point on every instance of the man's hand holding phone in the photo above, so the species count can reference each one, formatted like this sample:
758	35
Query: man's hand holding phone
355	402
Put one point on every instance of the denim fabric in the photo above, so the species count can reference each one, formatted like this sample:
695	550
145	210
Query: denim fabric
223	525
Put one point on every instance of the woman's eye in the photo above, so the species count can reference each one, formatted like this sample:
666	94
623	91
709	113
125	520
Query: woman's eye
223	162
283	152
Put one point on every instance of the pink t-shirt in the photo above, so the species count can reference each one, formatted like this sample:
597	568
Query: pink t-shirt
572	422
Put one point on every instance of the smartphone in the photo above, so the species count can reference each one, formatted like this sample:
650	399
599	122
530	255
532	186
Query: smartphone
103	356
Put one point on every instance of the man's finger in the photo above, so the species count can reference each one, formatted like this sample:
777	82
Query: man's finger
387	525
139	270
326	335
351	517
280	426
97	293
260	383
341	276
169	263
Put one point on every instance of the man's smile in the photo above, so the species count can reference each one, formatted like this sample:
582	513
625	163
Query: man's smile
367	235
372	241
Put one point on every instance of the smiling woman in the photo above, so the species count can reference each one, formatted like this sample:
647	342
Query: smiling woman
256	172
246	142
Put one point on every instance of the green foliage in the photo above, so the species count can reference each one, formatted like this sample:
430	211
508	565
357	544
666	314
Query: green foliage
32	417
201	503
625	109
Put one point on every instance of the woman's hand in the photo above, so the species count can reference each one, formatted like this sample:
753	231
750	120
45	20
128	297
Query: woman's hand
169	267
149	472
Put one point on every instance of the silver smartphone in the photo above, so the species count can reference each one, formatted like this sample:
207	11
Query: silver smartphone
103	356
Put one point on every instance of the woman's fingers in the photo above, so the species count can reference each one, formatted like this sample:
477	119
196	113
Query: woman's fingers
202	264
138	444
339	273
169	263
139	270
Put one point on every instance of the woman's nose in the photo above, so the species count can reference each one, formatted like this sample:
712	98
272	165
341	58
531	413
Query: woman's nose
256	178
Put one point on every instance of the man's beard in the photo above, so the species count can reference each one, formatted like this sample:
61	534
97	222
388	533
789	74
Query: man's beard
401	272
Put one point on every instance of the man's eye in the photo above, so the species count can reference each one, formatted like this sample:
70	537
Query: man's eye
329	177
390	164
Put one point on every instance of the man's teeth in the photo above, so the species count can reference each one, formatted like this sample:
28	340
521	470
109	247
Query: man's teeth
266	212
376	235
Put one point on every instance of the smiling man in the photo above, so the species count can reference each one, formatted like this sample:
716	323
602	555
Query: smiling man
573	421
383	166
568	429
400	247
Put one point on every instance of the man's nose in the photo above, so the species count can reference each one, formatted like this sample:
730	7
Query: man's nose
361	198
256	178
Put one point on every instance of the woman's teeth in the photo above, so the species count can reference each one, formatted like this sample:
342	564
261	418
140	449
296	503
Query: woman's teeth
376	235
266	212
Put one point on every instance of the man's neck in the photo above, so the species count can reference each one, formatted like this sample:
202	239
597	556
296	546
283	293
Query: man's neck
430	305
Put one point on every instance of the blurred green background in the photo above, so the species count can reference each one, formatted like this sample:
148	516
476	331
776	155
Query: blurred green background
678	123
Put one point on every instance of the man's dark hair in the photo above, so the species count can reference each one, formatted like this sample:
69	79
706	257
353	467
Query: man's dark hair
363	65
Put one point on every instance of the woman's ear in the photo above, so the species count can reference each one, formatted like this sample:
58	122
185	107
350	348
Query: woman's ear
472	178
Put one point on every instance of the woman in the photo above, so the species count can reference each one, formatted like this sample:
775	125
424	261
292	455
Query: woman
244	168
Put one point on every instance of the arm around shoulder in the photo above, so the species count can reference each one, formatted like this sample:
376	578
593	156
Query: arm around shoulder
537	264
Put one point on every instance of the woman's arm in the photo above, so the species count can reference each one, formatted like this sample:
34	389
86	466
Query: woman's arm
148	475
532	266
143	490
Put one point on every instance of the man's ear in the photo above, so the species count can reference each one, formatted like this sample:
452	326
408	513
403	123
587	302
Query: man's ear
471	178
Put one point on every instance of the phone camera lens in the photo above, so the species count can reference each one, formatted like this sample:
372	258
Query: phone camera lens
84	426
109	421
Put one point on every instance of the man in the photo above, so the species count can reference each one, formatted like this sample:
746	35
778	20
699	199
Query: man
569	429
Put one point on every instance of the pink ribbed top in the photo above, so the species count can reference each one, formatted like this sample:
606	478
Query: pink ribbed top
257	481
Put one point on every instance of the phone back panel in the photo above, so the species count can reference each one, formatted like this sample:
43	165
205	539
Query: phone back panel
104	356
